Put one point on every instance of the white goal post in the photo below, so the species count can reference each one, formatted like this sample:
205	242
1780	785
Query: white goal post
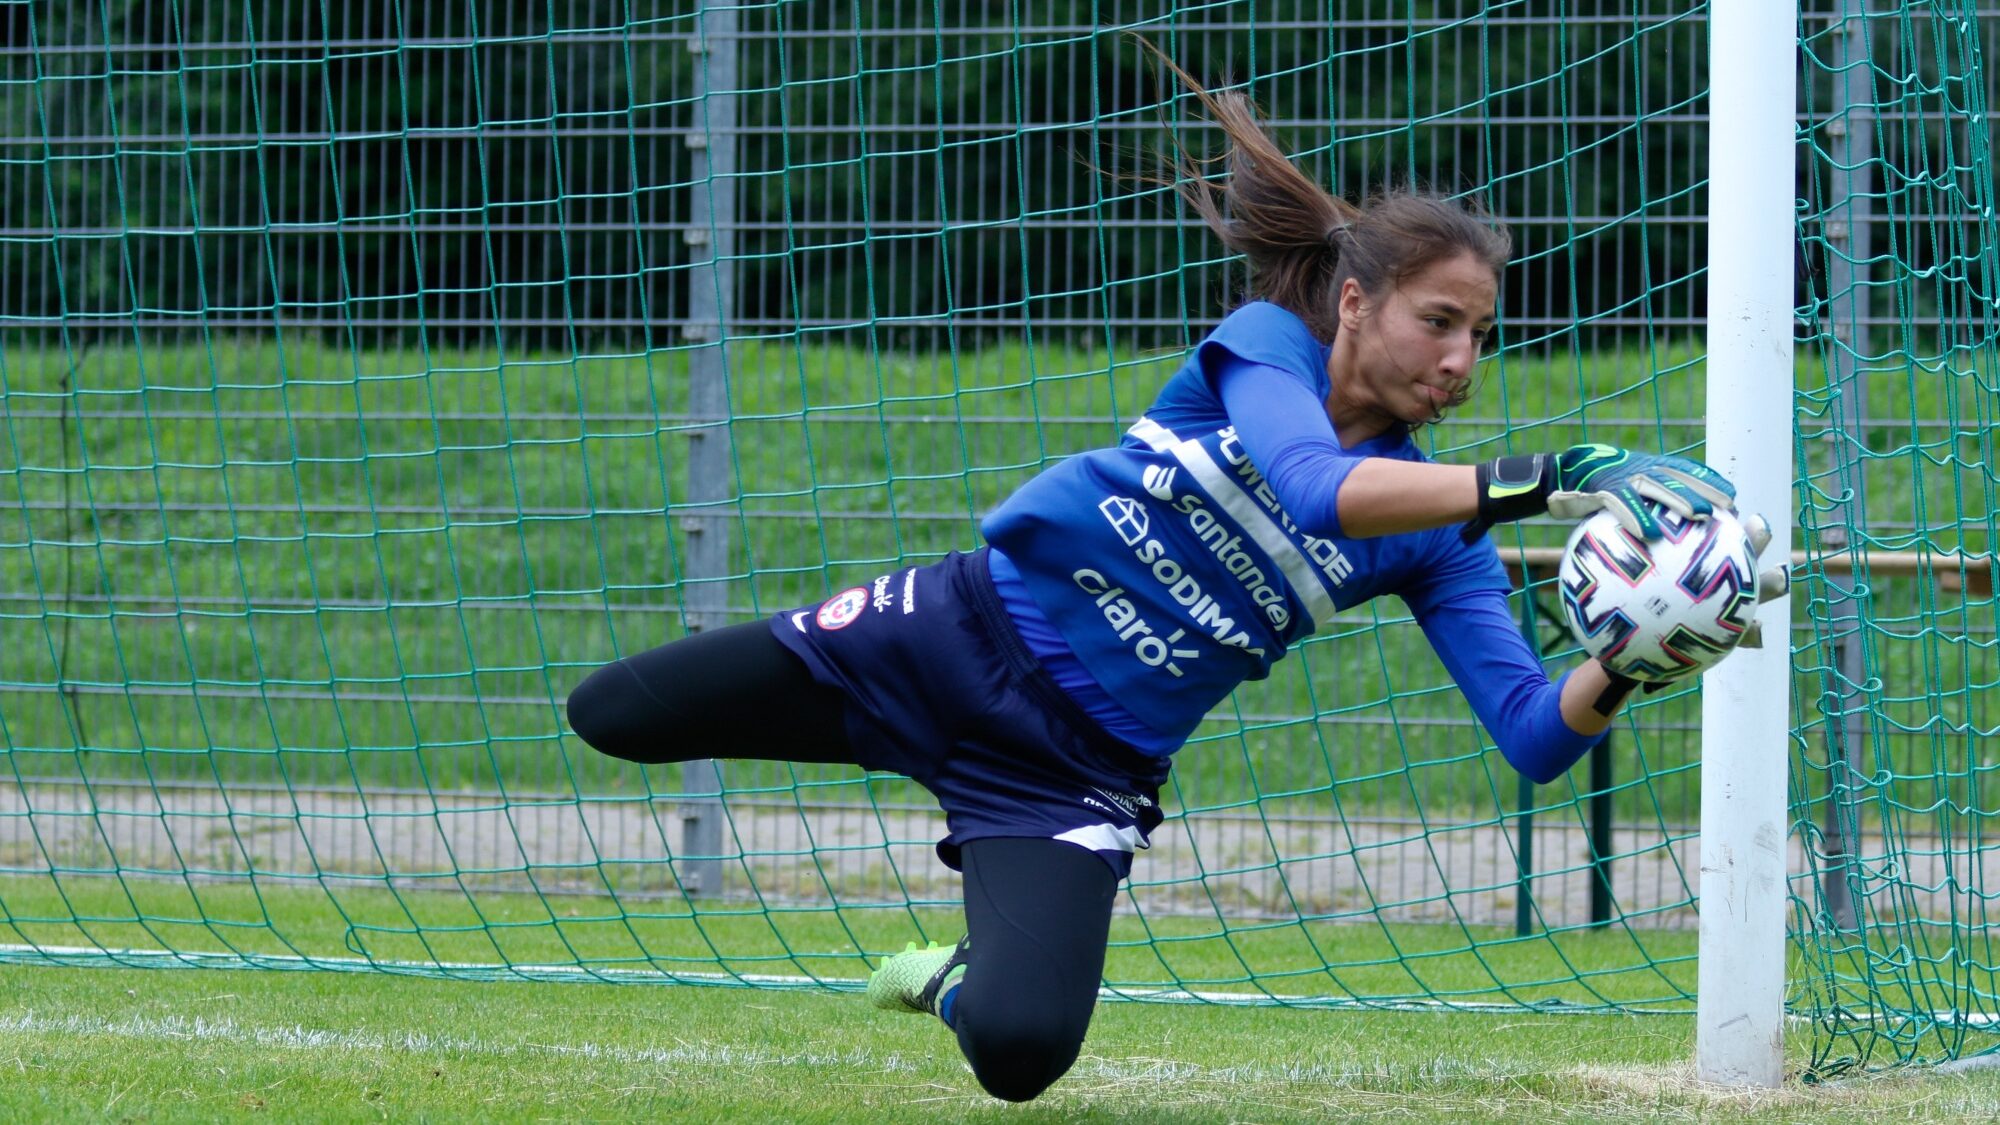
1745	714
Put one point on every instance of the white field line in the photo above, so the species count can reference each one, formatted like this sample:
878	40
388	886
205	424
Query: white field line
298	1037
170	958
215	960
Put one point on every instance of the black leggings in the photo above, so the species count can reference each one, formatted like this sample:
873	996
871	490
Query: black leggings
732	693
1038	911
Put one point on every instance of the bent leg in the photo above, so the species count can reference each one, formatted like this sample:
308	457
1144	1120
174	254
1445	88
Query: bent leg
732	693
1039	914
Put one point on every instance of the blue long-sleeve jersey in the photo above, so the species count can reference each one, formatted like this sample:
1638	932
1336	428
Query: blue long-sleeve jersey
1161	573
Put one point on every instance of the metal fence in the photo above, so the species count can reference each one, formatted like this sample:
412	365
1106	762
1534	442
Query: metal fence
922	186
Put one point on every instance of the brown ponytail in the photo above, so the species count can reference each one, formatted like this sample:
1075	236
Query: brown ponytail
1302	242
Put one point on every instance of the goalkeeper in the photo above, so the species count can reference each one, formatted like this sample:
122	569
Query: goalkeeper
1039	686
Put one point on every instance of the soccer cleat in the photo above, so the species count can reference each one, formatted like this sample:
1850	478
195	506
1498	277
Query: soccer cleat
915	980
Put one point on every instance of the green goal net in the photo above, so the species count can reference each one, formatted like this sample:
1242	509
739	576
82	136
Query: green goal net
370	376
1895	667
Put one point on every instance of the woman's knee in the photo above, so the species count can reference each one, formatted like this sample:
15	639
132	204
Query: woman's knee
609	711
1018	1058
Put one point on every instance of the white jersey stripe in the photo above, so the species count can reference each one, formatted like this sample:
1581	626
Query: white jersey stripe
1153	434
1104	838
1305	578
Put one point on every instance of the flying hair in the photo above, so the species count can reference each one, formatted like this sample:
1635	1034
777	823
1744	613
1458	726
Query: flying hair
1302	242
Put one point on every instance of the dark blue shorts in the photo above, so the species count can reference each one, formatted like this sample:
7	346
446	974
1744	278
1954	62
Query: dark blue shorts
942	689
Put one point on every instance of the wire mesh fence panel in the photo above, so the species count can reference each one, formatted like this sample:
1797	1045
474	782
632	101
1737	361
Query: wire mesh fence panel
372	376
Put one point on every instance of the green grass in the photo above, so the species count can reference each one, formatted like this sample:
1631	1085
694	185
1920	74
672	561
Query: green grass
128	1045
502	935
362	928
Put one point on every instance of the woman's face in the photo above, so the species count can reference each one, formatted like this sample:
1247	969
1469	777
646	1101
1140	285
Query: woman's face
1408	356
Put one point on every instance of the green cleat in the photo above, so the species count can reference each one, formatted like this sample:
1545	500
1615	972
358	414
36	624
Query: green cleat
916	979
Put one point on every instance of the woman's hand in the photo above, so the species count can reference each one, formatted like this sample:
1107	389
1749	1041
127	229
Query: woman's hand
1588	478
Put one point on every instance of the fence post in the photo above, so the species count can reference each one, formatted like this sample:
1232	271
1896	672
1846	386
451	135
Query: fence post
1524	846
711	284
1601	811
1850	147
1601	844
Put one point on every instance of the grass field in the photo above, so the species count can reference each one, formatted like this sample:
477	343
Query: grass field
134	1045
522	936
448	972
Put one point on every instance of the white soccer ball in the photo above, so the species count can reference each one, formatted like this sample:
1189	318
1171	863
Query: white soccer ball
1662	611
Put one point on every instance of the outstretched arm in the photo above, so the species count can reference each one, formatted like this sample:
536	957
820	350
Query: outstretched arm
1383	496
1588	687
1542	728
1392	496
1325	489
1330	491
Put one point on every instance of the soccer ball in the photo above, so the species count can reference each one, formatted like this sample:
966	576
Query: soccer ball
1662	611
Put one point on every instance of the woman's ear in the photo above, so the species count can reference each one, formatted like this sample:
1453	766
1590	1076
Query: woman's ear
1354	307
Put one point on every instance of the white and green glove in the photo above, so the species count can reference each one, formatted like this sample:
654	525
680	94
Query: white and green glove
1774	581
1588	478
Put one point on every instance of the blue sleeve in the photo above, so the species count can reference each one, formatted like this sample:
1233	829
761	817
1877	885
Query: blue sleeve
1481	646
1262	333
1283	425
1452	568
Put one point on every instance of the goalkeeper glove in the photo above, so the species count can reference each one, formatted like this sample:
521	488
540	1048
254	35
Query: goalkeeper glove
1587	478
